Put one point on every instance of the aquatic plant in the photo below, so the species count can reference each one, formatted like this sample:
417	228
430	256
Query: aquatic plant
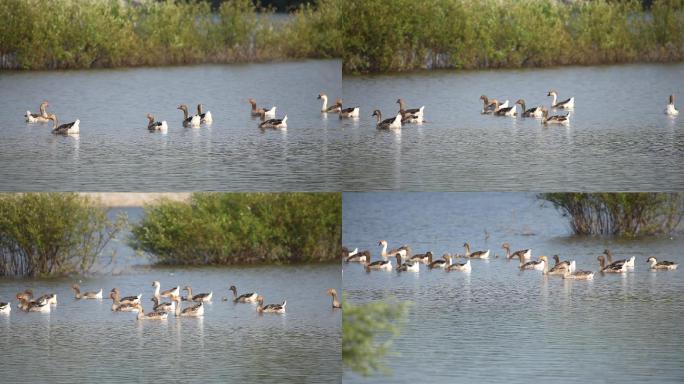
367	333
43	234
401	35
625	214
48	34
242	228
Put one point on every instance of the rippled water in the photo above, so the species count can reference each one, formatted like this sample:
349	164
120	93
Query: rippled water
498	324
115	152
84	341
618	139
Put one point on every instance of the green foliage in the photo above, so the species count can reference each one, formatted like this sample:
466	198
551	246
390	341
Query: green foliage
236	228
43	234
399	35
367	333
625	214
45	34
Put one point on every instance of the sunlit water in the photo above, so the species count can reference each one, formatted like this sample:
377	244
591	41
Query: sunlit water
618	138
115	151
84	341
498	324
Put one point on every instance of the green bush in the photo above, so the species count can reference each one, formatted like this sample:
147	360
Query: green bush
236	228
625	214
400	35
43	234
46	34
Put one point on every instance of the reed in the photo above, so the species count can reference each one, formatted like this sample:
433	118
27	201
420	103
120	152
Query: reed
242	228
624	214
44	234
402	35
65	34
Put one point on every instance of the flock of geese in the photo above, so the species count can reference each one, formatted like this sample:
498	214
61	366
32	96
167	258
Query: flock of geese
407	261
160	309
402	117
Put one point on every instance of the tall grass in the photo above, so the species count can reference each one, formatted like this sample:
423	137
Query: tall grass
625	214
399	35
46	34
242	228
43	234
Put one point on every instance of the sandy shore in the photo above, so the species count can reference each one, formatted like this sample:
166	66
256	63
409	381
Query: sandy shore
134	199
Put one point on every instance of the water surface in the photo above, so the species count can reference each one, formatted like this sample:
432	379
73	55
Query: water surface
497	324
619	139
115	152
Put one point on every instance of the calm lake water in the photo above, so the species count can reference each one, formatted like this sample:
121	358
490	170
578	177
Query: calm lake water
498	324
115	151
84	341
618	139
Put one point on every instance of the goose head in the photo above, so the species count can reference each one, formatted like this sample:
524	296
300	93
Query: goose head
156	283
199	109
382	242
651	260
377	114
322	96
484	98
556	259
505	246
552	93
602	261
150	117
543	259
331	292
520	102
75	287
233	288
672	99
182	107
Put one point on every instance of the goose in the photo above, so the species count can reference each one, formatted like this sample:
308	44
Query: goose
5	307
27	294
382	265
127	299
86	295
34	306
562	266
476	254
421	258
64	129
274	123
335	303
403	250
411	115
41	117
350	113
444	262
665	265
629	263
205	117
408	266
555	119
117	306
163	307
506	111
189	121
501	106
565	104
462	267
256	111
200	297
194	311
532	112
50	298
540	264
156	125
347	253
245	297
578	275
175	291
611	268
489	106
270	308
151	315
331	109
527	253
669	110
392	123
358	257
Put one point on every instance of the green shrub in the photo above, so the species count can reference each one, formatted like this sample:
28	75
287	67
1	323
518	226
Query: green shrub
625	214
44	234
236	228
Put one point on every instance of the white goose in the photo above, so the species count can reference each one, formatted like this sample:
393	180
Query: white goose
411	115
564	104
86	295
442	263
5	307
461	267
532	112
381	265
331	109
350	113
661	265
274	123
540	265
194	311
156	125
403	250
409	266
476	254
527	253
555	119
256	111
41	117
670	109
